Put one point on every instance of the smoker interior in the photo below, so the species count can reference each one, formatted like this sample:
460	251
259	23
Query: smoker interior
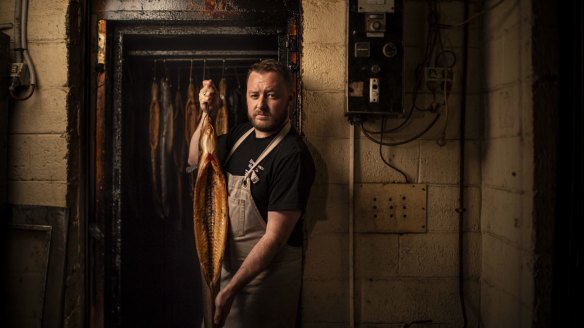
160	277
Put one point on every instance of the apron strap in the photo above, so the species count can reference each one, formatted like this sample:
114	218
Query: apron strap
251	175
237	144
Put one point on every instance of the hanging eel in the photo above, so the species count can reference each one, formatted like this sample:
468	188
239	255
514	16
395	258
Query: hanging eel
222	117
166	144
154	134
179	152
210	216
192	117
237	111
192	112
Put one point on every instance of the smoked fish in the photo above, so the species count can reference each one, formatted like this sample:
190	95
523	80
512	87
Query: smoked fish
153	136
222	116
210	216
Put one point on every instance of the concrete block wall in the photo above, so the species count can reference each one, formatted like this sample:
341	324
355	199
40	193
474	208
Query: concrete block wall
325	296
45	156
38	126
399	278
507	296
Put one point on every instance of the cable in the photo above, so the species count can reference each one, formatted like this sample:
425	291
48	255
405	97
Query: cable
468	20
383	159
32	87
404	141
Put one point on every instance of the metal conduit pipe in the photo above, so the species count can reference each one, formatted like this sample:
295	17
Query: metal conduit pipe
17	39
21	48
24	43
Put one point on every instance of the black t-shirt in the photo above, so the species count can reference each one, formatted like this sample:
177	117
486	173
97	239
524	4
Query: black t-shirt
286	174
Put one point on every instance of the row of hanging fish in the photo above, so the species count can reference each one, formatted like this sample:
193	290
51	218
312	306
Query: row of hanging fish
172	123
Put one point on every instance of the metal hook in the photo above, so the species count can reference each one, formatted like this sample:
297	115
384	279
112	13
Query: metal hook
191	71
223	69
204	68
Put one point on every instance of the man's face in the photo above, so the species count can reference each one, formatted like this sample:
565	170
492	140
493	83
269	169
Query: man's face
268	101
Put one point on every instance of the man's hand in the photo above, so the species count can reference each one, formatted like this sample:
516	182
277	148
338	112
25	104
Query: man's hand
208	97
223	303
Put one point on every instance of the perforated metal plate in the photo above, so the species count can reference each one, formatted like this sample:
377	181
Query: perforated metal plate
390	208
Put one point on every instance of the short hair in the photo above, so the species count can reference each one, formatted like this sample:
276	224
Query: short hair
272	65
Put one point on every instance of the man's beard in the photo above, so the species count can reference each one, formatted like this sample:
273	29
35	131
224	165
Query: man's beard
272	125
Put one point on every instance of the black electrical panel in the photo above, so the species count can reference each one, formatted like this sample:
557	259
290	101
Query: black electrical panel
376	59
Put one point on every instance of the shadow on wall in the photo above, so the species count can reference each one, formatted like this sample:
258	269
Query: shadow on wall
316	209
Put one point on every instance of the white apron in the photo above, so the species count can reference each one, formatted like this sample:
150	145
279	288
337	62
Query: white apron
271	298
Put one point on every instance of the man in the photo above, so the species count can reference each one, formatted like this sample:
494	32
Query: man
270	173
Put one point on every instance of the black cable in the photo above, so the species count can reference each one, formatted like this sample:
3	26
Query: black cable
15	97
381	154
404	141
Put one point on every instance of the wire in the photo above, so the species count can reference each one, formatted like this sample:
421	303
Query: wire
404	141
468	20
383	159
15	97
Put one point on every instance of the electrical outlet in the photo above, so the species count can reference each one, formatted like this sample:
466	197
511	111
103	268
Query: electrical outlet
438	74
438	78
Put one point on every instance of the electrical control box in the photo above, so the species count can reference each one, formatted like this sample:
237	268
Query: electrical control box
375	60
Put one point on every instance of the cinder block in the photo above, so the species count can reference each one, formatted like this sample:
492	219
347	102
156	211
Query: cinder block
503	216
439	164
443	302
503	59
473	118
7	14
328	209
324	114
450	117
50	62
369	167
47	193
38	7
323	67
502	18
47	24
376	256
331	158
526	91
511	274
324	22
398	300
325	301
428	255
327	257
472	255
500	309
515	172
38	157
443	205
46	112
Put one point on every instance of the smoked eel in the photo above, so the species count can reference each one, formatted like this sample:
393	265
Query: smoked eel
222	117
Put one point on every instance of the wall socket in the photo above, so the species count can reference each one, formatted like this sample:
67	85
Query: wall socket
391	208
